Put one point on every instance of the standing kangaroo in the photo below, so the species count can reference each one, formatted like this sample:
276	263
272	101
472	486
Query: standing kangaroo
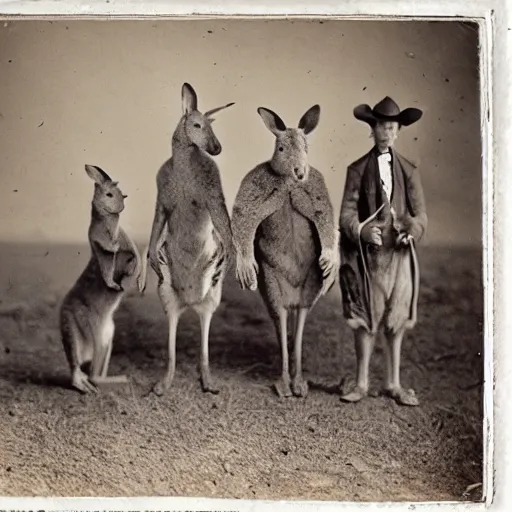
190	259
87	311
285	238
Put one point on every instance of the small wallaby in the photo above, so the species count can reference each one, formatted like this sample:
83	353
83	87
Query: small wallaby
87	311
191	240
285	237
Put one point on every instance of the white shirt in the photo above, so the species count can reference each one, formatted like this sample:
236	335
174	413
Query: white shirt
386	173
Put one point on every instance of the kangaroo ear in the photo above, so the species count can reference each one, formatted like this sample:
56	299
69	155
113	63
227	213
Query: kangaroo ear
188	98
97	174
309	120
215	110
272	121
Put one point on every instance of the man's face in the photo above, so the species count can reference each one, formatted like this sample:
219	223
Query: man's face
385	133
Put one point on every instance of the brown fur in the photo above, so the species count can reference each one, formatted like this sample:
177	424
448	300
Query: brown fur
285	236
86	314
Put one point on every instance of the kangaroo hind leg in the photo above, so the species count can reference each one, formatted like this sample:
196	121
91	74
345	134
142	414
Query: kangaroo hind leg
205	315
282	386
79	355
300	386
206	310
173	310
102	354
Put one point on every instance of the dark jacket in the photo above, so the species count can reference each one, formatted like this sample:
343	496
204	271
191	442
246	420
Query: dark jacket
363	196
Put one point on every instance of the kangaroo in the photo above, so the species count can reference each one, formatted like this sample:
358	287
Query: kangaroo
191	241
285	238
87	311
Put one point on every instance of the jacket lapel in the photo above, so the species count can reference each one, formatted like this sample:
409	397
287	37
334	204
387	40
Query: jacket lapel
372	183
398	182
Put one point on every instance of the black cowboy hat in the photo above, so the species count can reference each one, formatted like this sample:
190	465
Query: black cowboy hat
387	110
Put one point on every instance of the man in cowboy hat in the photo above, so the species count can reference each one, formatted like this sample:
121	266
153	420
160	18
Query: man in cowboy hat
383	216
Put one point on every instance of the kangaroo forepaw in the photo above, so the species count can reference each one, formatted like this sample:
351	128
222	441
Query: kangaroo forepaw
282	388
141	285
115	286
300	387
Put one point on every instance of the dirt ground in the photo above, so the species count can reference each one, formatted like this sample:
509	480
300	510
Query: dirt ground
244	442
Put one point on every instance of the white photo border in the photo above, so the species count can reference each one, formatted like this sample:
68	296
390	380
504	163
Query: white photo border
495	72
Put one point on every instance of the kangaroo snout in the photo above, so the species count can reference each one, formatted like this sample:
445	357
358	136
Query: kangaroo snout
215	149
300	173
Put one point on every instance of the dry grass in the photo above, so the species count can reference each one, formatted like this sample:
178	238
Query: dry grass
245	442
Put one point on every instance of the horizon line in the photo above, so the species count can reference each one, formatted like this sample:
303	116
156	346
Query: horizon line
143	243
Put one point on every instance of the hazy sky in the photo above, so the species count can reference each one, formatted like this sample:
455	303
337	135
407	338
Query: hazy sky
107	93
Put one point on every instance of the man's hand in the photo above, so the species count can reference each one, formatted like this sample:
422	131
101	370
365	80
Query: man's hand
371	235
403	240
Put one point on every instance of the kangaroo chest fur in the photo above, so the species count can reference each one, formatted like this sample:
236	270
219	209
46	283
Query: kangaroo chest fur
192	241
90	296
289	242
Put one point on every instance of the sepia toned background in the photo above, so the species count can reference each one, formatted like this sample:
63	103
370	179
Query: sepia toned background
108	94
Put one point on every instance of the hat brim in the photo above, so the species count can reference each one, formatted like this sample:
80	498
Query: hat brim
406	117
